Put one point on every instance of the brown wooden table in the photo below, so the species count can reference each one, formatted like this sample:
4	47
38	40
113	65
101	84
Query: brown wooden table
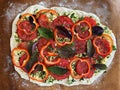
107	10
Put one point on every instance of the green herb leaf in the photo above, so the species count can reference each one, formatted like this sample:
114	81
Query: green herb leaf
57	70
32	61
114	47
81	18
46	33
100	66
72	15
66	51
90	48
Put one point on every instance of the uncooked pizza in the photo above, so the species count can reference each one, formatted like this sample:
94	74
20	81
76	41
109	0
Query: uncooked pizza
60	46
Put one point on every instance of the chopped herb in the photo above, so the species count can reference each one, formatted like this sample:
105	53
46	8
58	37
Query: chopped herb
50	79
20	16
98	24
72	15
105	28
35	11
81	18
83	29
70	80
81	78
91	16
114	47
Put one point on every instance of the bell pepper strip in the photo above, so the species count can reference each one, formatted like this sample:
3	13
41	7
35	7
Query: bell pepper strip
103	44
74	74
38	72
46	11
29	26
62	40
20	57
82	30
46	54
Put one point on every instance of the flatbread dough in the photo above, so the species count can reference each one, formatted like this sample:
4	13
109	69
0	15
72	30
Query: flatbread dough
61	11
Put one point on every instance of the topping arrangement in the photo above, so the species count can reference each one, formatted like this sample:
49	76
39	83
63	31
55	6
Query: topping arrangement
54	46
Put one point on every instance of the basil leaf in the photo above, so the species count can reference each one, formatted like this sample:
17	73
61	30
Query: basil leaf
66	51
100	66
64	31
57	70
32	61
90	48
46	33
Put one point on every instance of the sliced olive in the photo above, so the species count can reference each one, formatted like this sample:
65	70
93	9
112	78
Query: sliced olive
64	31
97	30
31	19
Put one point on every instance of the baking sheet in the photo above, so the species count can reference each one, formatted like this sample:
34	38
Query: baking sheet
107	10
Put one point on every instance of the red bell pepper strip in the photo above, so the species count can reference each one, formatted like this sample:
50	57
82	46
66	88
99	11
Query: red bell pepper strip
16	54
44	55
35	71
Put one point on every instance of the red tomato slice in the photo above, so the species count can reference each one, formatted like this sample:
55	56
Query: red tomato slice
62	21
80	45
81	67
22	35
63	63
82	30
43	21
103	47
26	25
91	21
41	43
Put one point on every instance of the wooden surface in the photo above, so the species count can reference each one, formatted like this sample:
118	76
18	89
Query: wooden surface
107	10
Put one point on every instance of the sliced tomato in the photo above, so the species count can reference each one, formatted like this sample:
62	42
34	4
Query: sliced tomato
81	67
43	18
22	35
50	56
80	45
63	63
20	57
27	23
62	21
43	21
91	21
102	45
41	42
38	68
82	30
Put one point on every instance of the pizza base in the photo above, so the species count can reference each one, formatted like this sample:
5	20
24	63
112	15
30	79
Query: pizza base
60	10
